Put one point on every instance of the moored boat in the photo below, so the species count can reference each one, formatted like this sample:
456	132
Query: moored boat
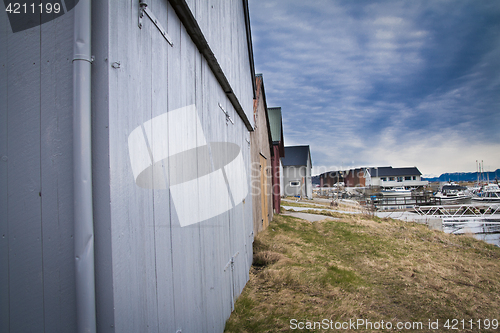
453	194
399	191
489	193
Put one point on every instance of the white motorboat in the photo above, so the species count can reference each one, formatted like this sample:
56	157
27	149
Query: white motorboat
399	191
453	194
488	193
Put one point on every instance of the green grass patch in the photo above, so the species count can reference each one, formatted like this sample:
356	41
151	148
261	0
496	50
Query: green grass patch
300	204
335	276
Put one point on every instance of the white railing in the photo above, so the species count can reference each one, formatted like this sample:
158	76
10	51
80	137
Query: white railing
460	211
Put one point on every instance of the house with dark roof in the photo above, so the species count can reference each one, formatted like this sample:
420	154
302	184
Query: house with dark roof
297	167
277	153
348	178
394	177
331	178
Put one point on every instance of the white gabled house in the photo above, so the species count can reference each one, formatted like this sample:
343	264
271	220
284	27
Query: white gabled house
394	177
297	172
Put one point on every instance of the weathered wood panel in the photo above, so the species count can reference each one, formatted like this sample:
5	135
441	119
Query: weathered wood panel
162	209
132	215
24	202
214	232
4	176
261	162
263	191
186	250
56	167
36	219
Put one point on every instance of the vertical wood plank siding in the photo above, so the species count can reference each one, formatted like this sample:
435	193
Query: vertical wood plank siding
261	162
36	204
168	277
155	272
4	195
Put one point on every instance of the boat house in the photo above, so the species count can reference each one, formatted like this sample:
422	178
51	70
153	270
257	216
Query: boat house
125	166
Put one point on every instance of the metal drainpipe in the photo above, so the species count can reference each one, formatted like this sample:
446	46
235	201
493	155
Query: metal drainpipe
82	171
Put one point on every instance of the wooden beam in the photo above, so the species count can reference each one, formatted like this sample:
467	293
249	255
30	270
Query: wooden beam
193	29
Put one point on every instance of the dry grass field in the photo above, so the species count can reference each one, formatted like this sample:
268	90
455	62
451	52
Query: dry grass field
315	277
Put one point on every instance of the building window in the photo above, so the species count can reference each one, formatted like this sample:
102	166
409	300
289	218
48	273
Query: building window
414	177
383	179
391	178
295	183
407	177
400	179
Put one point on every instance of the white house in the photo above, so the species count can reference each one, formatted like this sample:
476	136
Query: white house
394	177
297	172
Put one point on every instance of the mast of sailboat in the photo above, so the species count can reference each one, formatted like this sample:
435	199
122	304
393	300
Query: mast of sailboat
482	171
477	173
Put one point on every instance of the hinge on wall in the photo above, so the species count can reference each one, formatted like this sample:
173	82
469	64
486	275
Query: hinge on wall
230	263
228	117
143	9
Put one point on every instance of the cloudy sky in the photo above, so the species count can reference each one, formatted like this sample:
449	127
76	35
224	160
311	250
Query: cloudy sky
378	83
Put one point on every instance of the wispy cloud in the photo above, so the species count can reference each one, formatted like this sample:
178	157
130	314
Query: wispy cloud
384	83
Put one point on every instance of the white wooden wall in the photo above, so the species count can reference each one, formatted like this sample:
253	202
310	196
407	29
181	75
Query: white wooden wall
152	274
223	25
167	277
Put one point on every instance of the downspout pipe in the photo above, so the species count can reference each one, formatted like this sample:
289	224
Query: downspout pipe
82	171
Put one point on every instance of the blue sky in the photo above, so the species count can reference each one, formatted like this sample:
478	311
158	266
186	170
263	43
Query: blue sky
378	83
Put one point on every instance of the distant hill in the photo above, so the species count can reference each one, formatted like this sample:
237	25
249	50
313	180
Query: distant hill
464	176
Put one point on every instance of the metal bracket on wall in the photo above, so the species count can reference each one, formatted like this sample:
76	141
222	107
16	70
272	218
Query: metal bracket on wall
230	263
228	117
143	9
